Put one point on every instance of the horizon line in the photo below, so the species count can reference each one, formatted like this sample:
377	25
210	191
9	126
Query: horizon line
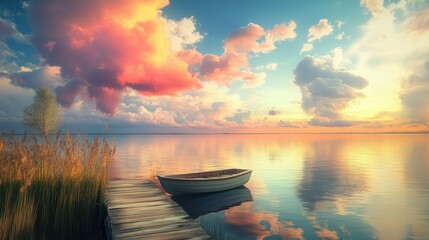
221	133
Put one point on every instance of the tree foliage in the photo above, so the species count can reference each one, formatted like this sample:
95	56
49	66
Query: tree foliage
44	114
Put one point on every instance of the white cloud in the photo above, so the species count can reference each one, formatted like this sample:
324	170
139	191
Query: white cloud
206	107
44	76
181	33
339	61
390	49
13	100
340	36
326	89
269	66
306	47
320	30
339	24
415	94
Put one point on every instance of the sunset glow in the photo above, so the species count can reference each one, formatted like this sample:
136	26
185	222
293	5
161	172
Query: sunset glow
196	66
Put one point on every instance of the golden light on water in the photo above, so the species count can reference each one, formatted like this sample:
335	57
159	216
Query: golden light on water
373	184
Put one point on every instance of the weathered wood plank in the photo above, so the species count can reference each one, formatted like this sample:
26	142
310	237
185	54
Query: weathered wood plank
155	224
135	189
177	234
140	217
121	211
133	200
138	204
133	195
138	209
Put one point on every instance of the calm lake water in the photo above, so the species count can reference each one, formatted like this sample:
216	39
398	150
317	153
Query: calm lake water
329	186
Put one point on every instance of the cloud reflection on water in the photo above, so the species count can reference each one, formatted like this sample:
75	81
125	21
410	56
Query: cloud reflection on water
261	224
327	176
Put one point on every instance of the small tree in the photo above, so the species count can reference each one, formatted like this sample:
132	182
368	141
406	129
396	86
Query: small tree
44	114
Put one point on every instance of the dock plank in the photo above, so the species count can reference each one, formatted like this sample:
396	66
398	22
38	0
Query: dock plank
138	209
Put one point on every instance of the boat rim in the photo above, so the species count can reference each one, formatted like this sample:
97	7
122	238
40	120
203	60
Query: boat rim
222	177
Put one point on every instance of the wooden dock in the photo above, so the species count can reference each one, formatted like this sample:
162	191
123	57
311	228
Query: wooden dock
138	209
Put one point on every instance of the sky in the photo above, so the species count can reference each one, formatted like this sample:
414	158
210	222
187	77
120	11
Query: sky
159	66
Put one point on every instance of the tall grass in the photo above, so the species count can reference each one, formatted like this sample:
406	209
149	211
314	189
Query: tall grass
55	189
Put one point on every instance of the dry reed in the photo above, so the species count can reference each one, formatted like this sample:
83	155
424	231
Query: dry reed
55	189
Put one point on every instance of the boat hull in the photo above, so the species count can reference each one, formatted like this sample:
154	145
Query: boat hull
183	186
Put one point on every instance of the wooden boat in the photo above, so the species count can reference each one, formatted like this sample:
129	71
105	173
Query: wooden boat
197	205
203	182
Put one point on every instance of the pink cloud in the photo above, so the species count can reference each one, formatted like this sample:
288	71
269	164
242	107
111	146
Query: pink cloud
104	47
245	218
244	39
241	45
420	21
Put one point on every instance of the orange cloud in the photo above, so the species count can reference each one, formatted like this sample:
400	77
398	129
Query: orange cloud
104	47
323	232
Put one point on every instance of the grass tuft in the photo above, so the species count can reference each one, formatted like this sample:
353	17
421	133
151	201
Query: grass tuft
55	189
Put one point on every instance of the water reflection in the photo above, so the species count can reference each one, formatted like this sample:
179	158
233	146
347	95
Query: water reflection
303	186
327	176
261	224
330	185
417	167
246	222
200	204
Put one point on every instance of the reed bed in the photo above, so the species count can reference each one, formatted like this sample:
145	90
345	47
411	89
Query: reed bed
53	189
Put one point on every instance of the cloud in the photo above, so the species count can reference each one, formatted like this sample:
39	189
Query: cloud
240	116
322	29
181	33
325	122
245	218
306	47
340	36
420	21
289	124
373	6
274	112
327	234
7	55
392	47
13	100
339	24
241	45
336	179
279	33
46	76
205	107
415	95
8	30
6	52
105	47
25	4
326	90
269	66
